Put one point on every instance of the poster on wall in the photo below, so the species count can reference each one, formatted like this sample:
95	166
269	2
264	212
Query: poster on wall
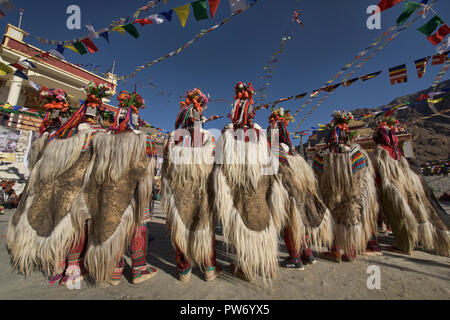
8	144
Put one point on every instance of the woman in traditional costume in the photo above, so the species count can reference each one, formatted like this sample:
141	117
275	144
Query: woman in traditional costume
125	126
244	187
82	174
308	219
187	192
347	183
405	199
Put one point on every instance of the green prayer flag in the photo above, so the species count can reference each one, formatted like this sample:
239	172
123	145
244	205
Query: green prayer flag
200	11
409	9
430	26
131	29
80	48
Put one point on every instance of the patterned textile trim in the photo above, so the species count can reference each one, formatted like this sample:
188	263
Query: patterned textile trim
358	161
150	147
281	155
87	142
318	163
214	147
147	215
51	137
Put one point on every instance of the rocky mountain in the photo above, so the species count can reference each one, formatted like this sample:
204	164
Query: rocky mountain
431	136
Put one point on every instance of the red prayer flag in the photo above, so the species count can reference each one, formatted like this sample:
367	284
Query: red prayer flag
439	58
143	22
439	35
388	113
423	96
386	4
213	4
89	45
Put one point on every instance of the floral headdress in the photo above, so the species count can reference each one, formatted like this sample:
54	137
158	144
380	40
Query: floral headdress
385	135
195	97
244	91
131	100
56	99
281	115
339	127
341	119
95	93
389	122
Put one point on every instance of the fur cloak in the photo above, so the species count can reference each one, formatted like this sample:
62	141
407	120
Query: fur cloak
70	184
187	198
42	229
347	183
306	212
404	194
244	187
116	195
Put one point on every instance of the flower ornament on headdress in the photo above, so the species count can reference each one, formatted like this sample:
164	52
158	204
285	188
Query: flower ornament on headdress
339	126
56	99
281	115
279	119
385	135
95	94
390	123
244	91
131	100
195	97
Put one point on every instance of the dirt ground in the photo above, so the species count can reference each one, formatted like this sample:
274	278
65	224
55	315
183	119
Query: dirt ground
420	276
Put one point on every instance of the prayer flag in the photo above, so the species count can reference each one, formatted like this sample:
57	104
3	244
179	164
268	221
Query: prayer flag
92	32
213	4
398	74
439	58
154	17
119	28
183	13
444	46
348	83
440	35
431	25
20	74
89	45
237	5
386	4
105	35
370	76
80	48
200	11
143	22
421	66
71	47
167	14
409	9
131	30
299	96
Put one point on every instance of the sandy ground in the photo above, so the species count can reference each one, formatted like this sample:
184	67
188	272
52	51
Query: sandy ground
420	276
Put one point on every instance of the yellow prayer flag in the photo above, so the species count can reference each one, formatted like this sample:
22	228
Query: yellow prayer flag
119	28
165	1
183	13
435	100
71	47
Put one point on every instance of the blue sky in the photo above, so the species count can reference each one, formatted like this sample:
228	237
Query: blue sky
335	31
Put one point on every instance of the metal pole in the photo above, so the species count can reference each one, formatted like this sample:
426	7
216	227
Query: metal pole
20	19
